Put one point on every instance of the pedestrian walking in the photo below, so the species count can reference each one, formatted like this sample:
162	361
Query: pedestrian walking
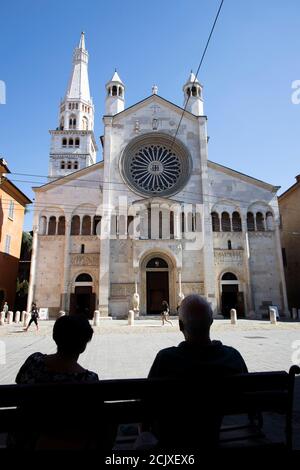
34	317
165	314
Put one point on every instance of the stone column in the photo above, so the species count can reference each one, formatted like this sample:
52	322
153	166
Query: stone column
207	202
32	279
281	271
250	302
154	221
165	222
179	283
104	267
65	296
177	221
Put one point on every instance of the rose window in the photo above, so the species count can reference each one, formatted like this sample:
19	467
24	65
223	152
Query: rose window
159	167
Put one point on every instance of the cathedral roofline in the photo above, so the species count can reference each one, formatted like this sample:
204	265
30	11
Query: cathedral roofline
66	178
155	97
243	176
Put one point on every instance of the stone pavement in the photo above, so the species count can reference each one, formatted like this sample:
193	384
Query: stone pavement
121	351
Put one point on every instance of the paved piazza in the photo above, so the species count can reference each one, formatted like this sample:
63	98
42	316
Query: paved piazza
121	351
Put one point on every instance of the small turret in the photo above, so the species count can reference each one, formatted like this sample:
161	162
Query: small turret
115	99
193	95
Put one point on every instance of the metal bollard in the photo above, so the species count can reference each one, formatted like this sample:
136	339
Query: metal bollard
273	318
96	319
2	318
233	316
10	316
22	316
17	316
131	318
294	313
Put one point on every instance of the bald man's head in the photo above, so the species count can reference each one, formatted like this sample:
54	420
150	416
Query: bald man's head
195	317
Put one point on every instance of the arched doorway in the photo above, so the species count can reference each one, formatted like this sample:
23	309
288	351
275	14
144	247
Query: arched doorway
231	296
83	300
157	284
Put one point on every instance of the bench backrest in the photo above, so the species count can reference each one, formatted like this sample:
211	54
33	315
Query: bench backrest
69	406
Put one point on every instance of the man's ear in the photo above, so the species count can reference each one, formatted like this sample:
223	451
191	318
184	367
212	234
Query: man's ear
181	326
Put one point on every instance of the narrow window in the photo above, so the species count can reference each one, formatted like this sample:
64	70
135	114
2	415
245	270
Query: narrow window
61	225
52	226
172	225
82	249
250	222
86	225
75	225
149	222
236	222
182	222
260	225
11	209
62	165
7	244
76	166
160	225
69	165
77	142
215	221
229	245
225	221
64	142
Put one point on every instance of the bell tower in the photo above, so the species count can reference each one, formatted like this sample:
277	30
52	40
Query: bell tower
73	145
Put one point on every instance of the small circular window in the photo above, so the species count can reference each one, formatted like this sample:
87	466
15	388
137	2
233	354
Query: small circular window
155	165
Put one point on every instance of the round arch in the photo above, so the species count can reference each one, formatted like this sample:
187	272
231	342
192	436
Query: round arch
231	292
83	298
157	283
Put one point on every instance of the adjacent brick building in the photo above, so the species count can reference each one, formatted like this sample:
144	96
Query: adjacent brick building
12	208
289	205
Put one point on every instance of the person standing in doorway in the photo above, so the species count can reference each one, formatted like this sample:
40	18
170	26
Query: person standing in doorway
165	314
34	317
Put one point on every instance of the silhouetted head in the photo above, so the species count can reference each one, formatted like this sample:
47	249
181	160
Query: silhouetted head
195	318
71	334
165	304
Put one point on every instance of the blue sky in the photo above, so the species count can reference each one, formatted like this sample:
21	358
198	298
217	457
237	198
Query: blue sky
251	63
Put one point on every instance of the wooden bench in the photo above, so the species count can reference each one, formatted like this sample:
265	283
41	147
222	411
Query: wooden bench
95	408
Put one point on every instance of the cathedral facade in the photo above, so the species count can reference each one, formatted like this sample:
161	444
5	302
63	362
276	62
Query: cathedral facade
155	217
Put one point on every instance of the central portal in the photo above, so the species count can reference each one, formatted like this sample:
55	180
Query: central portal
157	285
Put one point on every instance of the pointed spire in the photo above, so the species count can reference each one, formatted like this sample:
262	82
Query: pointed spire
82	41
78	87
192	78
116	77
